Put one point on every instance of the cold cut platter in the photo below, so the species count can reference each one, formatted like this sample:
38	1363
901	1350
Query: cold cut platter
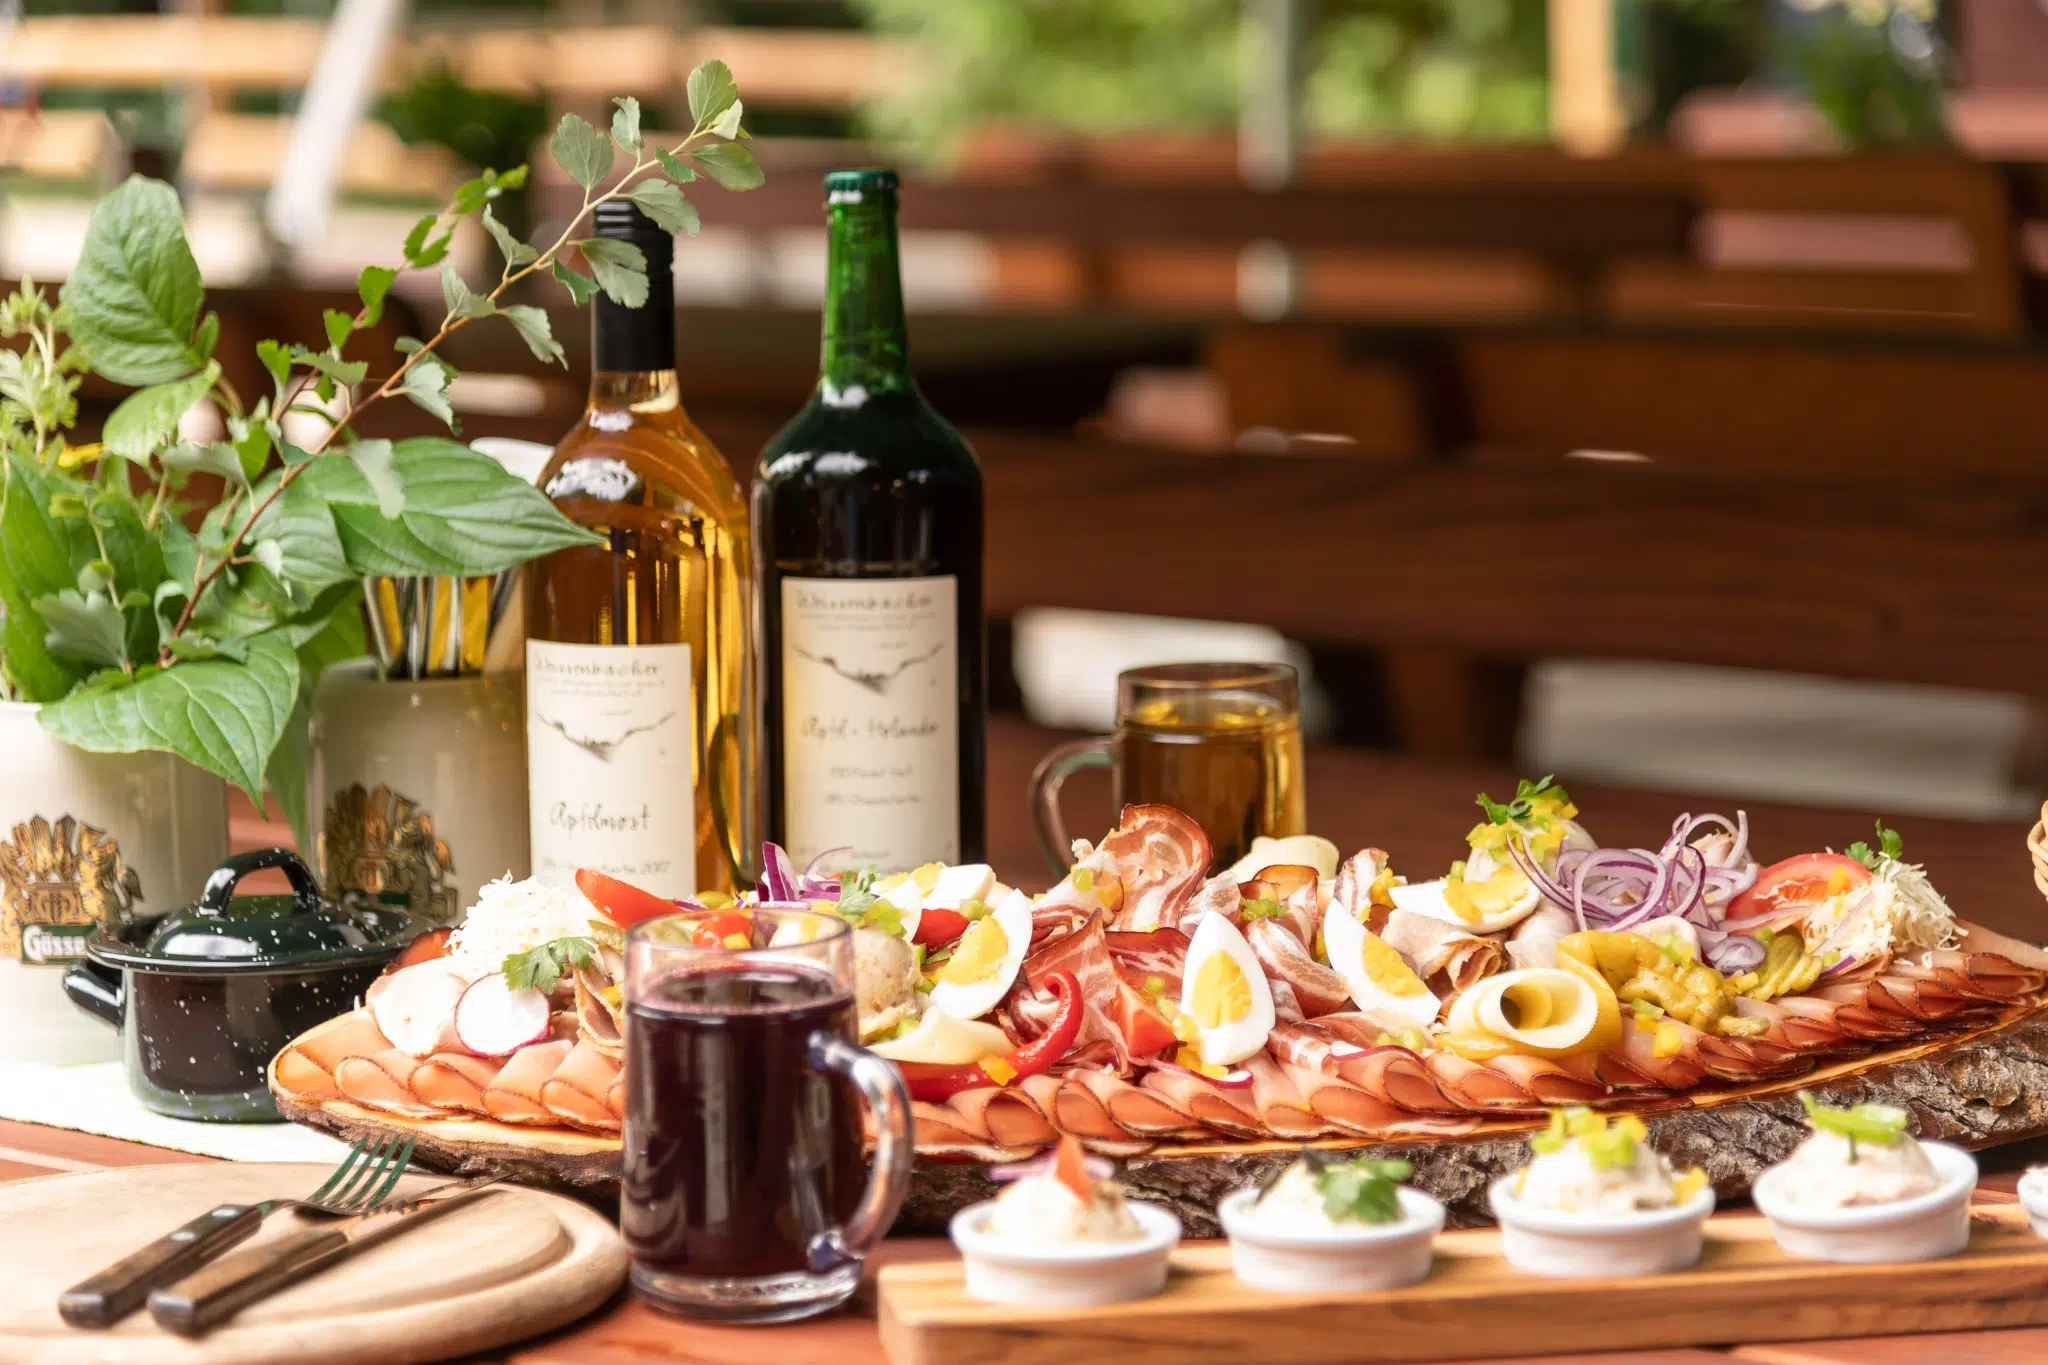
1201	1027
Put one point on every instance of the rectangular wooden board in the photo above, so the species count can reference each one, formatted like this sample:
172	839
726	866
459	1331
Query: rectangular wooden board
1474	1305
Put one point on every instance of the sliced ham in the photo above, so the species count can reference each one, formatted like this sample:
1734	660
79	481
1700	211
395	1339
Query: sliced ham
1161	857
353	1035
1395	1074
1351	892
577	1089
1807	1024
1007	1116
1859	1018
1360	1112
514	1095
1138	1111
383	1082
1551	1081
1281	1108
1680	1070
1533	942
1977	975
1228	1111
456	1081
1447	958
943	1132
1472	1085
1317	989
1073	1108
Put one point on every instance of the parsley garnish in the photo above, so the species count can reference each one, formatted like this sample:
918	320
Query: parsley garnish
1890	847
1527	794
859	906
543	967
1364	1190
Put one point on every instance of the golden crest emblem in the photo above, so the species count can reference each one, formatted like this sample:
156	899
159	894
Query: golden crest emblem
381	843
62	874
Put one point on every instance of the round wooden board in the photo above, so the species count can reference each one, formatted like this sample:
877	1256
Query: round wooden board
1979	1087
510	1266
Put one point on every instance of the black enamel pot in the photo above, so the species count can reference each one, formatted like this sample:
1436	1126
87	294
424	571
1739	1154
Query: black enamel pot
204	997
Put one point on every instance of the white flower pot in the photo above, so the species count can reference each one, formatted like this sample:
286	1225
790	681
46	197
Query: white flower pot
82	837
419	788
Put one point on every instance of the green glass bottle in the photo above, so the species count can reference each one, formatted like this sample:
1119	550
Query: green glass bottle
868	545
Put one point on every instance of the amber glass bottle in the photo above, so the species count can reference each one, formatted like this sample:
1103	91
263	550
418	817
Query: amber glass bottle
639	750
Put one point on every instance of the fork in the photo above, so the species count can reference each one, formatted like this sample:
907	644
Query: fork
364	1180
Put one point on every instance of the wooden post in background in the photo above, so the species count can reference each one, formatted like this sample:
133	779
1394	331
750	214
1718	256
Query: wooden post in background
1587	115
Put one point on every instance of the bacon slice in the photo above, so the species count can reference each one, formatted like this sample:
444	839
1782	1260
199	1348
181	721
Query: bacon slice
1086	954
1352	890
1317	988
1161	857
1161	952
1217	896
1392	1073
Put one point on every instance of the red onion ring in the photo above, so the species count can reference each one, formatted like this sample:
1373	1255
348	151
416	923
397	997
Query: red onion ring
778	874
1098	1168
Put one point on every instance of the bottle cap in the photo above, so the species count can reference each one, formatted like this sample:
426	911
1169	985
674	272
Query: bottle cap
622	219
869	185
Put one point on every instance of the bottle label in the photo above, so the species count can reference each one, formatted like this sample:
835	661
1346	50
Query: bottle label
609	764
871	720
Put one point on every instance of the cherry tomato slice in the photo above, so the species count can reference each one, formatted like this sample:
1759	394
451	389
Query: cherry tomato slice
425	948
623	903
1806	879
723	931
940	926
1142	1024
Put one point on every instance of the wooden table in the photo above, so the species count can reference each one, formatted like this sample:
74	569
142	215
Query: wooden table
626	1333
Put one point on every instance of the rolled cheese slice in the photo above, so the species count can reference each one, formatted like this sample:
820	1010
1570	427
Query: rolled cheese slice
1540	1012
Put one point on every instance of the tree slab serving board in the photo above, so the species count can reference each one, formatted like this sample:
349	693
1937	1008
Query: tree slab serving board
1977	1087
1474	1305
511	1265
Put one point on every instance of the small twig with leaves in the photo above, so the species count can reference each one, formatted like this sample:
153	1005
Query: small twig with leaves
620	270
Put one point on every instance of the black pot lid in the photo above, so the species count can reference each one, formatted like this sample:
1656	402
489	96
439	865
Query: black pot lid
227	932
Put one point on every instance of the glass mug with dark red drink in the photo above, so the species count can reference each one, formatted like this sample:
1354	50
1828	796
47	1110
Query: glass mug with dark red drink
746	1195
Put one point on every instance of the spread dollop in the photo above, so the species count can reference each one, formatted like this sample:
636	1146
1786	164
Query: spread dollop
1061	1202
1317	1193
1588	1163
1857	1156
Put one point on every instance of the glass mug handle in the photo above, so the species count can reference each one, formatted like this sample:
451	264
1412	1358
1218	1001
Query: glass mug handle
1046	780
881	1085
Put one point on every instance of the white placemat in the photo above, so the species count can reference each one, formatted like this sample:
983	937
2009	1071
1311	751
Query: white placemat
96	1099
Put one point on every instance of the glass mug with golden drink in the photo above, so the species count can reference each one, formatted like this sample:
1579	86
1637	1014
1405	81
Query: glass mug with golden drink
1221	742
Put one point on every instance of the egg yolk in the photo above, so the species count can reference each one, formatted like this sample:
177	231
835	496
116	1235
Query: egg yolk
1474	901
978	955
927	876
1222	995
1385	968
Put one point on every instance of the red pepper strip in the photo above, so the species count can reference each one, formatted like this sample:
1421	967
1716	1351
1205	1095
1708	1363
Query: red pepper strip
938	1084
623	903
939	926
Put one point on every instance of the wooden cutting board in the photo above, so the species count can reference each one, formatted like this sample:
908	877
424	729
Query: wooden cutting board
509	1266
1475	1305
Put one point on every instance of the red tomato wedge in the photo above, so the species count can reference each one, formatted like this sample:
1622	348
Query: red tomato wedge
1806	879
623	903
726	930
940	926
425	948
1146	1033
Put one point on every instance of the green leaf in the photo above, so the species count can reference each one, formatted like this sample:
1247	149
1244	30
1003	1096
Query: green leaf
620	267
543	966
580	286
581	150
270	554
730	164
35	559
674	167
252	439
426	384
626	125
217	457
514	179
133	298
208	335
516	252
422	247
89	629
461	302
465	514
712	91
304	527
347	373
374	459
221	716
288	774
276	358
147	418
371	286
534	330
340	326
728	123
664	203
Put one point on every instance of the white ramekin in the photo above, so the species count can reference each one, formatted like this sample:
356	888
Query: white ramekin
2034	1197
1077	1275
1356	1259
1918	1229
1581	1245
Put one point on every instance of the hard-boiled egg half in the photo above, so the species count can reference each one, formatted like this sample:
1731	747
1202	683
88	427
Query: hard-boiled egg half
1380	979
985	960
1481	896
1224	993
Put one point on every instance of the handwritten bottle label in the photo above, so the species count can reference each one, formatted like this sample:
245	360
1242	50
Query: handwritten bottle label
609	764
871	720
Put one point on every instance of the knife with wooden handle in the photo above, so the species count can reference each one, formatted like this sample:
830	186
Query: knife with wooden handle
216	1292
119	1290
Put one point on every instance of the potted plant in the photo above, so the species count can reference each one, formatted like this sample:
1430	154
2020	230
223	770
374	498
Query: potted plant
151	650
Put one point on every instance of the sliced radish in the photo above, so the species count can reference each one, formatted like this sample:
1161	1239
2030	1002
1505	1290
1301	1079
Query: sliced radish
415	1007
493	1020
